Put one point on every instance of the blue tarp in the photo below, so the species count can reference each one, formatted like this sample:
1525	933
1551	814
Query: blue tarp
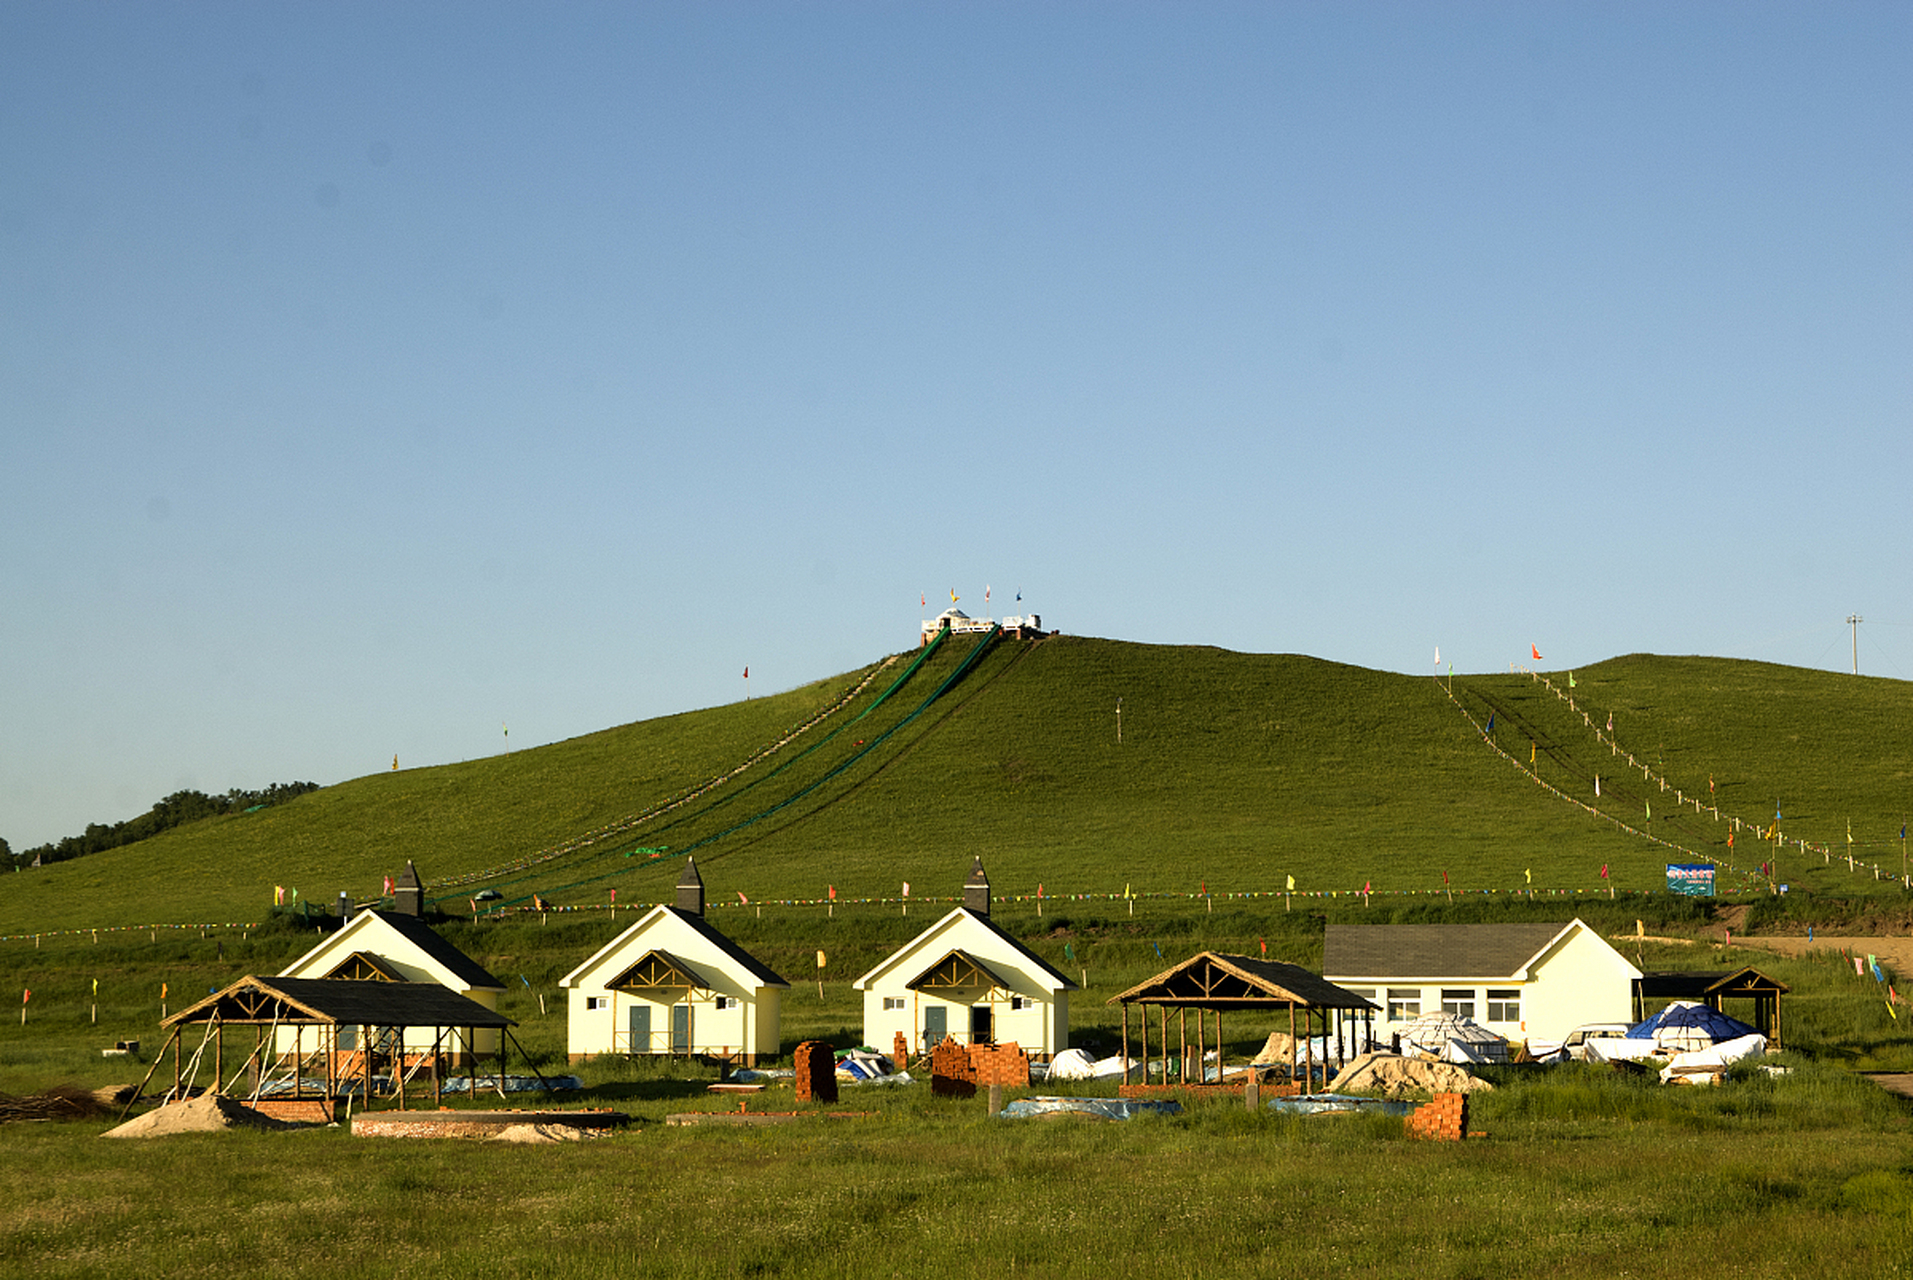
1691	1016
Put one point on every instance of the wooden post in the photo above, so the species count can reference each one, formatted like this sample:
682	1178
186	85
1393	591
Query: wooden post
1125	1043
1162	1025
1144	1019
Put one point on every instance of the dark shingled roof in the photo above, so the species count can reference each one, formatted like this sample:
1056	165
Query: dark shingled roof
1351	951
744	958
426	939
1215	980
340	1002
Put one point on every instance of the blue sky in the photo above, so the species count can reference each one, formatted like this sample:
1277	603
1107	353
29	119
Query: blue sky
373	377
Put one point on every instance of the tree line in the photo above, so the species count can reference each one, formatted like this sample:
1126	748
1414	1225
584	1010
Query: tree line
175	810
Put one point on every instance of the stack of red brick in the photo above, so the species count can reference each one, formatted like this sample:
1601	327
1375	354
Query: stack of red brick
956	1070
1445	1119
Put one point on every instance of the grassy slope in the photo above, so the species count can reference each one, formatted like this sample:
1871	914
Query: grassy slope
1237	769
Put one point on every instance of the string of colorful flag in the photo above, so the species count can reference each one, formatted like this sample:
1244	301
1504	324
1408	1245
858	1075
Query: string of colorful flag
621	825
1771	832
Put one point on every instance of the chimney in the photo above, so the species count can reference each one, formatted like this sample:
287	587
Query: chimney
408	896
691	889
976	890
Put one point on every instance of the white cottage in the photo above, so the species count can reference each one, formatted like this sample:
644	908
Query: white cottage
1522	981
672	984
398	946
964	977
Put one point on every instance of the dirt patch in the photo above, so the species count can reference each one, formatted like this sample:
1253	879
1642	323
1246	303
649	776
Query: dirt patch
1895	953
1899	1082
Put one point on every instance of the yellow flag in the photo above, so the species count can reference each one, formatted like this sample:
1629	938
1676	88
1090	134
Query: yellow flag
1291	884
1530	874
820	959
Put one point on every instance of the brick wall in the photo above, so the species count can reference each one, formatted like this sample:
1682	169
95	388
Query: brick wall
952	1075
1003	1064
816	1072
1444	1120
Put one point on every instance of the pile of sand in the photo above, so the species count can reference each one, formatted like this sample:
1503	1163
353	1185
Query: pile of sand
1275	1051
1393	1076
539	1133
207	1112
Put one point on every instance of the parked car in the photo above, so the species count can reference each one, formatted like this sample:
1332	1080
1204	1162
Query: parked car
1576	1044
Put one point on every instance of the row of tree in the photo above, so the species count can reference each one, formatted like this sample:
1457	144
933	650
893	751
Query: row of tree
175	810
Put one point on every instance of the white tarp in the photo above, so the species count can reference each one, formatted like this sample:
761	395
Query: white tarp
1704	1065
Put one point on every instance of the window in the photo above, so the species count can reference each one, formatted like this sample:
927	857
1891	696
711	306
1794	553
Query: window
1504	1006
724	1002
1404	1003
1459	1001
1022	1002
597	1002
892	1002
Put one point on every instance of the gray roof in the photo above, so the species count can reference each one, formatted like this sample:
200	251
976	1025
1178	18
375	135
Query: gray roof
1062	980
1352	951
336	1001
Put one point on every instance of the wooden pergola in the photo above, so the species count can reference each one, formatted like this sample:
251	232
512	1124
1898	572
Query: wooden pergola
378	1010
1711	989
1213	983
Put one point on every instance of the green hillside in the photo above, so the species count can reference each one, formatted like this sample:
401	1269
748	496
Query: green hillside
1234	770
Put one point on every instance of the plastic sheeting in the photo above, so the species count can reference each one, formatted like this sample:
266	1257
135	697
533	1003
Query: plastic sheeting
1317	1104
1095	1108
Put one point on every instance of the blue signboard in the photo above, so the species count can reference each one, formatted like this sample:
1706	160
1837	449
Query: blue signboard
1696	879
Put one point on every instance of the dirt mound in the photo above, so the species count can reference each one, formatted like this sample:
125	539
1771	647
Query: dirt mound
1394	1077
1275	1050
539	1134
206	1113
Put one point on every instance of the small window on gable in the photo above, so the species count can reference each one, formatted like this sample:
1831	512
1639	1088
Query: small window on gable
892	1002
597	1002
723	1002
1022	1002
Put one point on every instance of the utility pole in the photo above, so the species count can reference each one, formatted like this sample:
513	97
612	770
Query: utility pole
1854	620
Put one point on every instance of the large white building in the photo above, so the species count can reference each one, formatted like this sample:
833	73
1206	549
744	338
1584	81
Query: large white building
1521	981
965	978
398	946
672	984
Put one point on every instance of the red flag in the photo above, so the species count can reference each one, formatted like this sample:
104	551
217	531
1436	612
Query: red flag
741	898
747	673
1730	839
923	601
1444	877
1604	871
26	994
614	897
1536	652
1265	945
833	893
1365	885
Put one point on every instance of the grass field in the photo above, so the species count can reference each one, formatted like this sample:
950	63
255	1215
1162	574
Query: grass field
1581	1172
1235	771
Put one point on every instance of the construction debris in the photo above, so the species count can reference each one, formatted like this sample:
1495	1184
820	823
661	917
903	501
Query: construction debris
207	1113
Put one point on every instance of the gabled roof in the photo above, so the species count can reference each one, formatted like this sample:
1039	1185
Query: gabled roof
1023	954
1495	951
337	1002
761	974
958	969
1210	980
1685	984
656	969
421	936
363	966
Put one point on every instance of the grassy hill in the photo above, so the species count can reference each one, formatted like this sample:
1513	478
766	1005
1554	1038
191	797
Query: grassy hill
1234	770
